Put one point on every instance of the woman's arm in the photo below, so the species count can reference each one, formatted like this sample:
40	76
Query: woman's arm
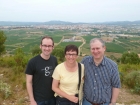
56	89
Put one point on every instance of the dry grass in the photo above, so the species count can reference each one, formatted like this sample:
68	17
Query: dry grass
128	98
117	55
19	94
17	87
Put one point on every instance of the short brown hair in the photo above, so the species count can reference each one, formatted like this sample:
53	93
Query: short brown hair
47	37
71	48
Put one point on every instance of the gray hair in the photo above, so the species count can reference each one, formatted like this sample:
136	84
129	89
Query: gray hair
97	39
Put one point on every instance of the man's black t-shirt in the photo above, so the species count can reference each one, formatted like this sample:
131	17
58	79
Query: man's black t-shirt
42	70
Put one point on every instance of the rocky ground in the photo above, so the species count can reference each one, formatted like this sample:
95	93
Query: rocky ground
128	98
125	98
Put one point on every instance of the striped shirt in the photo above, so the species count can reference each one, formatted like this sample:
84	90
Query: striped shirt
99	80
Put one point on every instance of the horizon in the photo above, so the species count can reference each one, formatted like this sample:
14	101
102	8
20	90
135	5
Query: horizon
70	21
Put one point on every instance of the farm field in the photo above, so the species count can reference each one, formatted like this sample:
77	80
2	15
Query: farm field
28	38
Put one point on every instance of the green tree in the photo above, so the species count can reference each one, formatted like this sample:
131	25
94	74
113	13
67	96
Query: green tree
2	41
59	53
131	58
35	50
20	58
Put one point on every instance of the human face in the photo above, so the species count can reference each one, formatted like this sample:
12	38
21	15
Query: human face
71	56
46	47
97	50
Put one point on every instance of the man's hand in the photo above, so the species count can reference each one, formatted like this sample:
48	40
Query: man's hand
33	102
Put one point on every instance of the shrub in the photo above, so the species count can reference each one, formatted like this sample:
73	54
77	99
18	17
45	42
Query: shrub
132	80
20	58
35	50
4	87
24	85
59	53
130	58
18	69
127	68
7	61
137	88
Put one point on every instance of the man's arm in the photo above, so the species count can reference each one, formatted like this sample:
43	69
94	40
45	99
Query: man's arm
115	94
30	89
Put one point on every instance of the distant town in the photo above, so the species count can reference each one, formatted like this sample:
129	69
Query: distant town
112	30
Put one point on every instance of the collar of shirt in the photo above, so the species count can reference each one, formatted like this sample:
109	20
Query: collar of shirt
102	63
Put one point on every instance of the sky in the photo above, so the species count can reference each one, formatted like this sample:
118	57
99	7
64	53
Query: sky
69	10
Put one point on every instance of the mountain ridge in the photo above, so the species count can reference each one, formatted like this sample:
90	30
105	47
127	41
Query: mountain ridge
57	22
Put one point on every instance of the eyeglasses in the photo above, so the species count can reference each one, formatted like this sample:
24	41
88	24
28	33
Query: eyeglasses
49	46
73	55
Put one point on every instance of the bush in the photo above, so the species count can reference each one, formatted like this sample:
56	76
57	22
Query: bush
20	58
137	88
130	58
127	68
35	50
132	80
7	61
24	85
18	69
5	88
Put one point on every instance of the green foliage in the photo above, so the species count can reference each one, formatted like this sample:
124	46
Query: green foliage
2	41
20	58
132	80
17	70
130	58
127	68
35	50
7	61
137	88
59	53
24	85
114	58
5	88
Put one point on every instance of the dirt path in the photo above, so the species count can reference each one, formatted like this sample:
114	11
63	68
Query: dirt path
83	40
56	44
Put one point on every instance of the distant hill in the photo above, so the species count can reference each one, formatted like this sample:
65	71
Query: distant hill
11	23
122	23
57	22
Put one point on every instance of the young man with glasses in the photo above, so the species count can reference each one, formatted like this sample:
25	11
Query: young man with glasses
39	74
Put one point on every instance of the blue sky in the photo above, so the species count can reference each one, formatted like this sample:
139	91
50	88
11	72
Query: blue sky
69	10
